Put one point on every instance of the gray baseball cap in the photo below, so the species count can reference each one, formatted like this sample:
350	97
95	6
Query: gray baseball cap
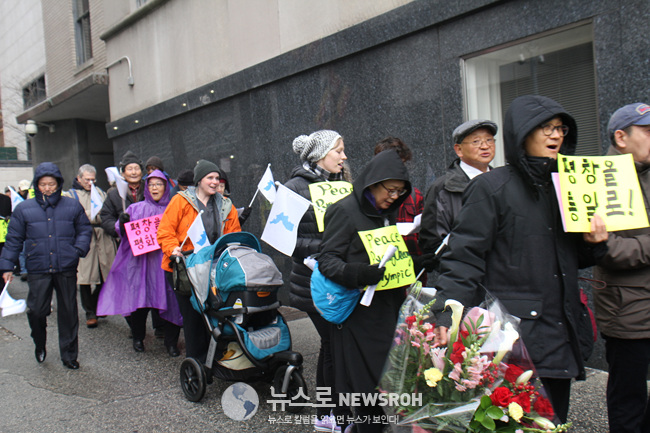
472	125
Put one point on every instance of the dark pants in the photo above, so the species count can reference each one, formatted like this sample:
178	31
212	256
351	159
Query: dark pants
89	299
138	324
628	405
365	415
325	367
197	336
559	391
39	302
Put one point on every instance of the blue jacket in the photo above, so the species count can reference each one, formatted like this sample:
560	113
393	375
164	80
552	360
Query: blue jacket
55	230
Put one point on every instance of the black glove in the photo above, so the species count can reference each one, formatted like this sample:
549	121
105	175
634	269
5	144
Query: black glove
244	215
123	219
368	275
425	261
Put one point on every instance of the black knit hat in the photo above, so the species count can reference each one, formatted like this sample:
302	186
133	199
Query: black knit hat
186	178
130	158
156	162
203	168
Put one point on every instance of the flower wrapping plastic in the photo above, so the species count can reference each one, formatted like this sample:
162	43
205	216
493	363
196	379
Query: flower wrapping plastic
483	380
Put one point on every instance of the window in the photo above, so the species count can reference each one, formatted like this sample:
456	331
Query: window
559	66
82	31
34	92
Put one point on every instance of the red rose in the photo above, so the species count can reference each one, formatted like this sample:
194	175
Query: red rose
544	407
457	353
513	372
501	396
523	400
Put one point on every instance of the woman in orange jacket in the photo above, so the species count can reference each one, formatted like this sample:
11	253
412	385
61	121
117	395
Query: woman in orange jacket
219	218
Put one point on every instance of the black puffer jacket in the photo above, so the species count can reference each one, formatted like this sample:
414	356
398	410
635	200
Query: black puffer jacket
54	229
508	237
360	345
112	208
307	243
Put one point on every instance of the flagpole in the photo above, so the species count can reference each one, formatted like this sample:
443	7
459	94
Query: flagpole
187	235
254	195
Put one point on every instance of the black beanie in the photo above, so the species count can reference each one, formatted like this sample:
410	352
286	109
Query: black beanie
130	158
186	178
155	161
203	168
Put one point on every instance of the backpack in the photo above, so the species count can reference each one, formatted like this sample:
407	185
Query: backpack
333	301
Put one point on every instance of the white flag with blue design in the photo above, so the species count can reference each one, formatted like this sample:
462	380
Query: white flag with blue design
15	198
96	201
267	185
112	173
281	230
198	235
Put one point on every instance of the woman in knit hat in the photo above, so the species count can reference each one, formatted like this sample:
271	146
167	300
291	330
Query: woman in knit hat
323	155
219	218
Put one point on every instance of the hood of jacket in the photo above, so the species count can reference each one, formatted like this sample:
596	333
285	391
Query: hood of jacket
383	166
309	176
524	115
48	169
164	200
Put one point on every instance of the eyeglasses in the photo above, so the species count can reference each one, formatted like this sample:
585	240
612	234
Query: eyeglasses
548	129
393	192
156	185
477	143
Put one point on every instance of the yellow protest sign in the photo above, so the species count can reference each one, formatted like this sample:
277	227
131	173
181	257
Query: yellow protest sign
323	194
399	270
606	185
4	224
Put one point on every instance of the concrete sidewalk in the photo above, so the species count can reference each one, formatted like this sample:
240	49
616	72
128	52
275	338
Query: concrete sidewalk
119	390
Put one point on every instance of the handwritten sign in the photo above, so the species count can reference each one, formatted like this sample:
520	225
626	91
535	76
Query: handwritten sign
399	270
142	234
4	224
606	185
323	194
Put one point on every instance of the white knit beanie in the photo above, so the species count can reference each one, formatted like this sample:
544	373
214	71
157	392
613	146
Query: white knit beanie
314	147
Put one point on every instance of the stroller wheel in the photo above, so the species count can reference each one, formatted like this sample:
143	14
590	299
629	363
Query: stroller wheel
193	379
296	391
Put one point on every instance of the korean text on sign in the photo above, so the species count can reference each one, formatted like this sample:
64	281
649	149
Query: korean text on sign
606	185
142	234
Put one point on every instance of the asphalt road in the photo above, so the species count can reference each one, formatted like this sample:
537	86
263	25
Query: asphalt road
119	390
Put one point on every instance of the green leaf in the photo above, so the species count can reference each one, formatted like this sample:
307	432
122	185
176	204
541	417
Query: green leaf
494	412
488	423
486	402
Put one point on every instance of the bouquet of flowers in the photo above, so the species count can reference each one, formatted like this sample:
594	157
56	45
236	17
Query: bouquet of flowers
482	381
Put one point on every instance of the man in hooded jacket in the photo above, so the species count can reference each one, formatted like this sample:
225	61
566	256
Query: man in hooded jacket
508	237
56	233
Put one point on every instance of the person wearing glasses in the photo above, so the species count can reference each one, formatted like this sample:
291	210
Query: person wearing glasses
508	238
360	345
474	145
137	284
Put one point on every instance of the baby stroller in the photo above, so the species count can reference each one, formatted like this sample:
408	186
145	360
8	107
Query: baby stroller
234	286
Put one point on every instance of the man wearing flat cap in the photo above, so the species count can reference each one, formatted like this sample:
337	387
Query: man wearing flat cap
623	306
474	145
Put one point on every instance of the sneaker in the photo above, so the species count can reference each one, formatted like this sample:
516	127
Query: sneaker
327	424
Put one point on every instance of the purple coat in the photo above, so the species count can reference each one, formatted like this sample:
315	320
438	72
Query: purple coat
139	281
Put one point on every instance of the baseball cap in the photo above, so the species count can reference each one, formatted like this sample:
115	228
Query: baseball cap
470	126
631	114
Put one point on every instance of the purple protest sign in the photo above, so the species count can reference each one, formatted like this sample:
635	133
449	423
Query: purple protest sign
142	234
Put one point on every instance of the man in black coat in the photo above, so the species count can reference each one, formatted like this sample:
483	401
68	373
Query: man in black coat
475	146
508	237
56	233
